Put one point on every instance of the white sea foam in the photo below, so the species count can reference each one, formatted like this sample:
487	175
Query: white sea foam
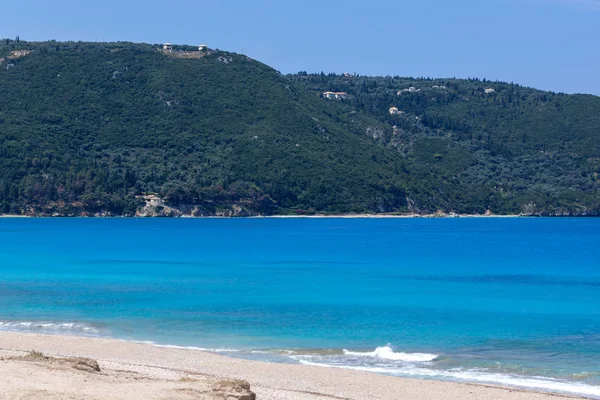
387	353
477	376
217	350
63	328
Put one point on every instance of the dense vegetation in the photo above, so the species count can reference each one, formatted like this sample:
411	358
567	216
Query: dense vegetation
88	128
484	145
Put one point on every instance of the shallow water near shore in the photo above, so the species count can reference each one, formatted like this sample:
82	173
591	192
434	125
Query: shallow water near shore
508	301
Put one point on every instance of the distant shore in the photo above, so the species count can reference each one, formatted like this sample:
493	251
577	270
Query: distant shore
136	371
311	216
402	216
315	216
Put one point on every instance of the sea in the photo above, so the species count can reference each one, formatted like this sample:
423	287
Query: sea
509	301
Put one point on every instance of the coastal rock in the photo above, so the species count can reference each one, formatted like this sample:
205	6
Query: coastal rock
234	390
80	363
85	364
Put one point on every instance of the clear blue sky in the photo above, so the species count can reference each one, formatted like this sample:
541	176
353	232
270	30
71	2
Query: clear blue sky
548	44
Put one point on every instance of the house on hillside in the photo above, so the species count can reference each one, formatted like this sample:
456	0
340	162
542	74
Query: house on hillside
395	111
202	47
152	200
335	95
489	91
167	47
411	89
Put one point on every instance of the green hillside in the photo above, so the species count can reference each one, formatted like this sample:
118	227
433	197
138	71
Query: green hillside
90	128
512	149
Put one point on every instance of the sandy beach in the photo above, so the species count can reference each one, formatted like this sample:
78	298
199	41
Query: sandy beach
130	370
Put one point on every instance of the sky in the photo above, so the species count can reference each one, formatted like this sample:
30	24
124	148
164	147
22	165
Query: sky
547	44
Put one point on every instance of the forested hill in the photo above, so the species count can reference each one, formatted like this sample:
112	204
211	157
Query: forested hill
122	128
486	144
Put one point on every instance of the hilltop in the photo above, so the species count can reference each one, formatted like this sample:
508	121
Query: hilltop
124	128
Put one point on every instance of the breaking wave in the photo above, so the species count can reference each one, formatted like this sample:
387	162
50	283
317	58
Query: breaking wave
53	327
387	353
384	360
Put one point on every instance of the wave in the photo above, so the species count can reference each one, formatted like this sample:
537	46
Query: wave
475	376
172	346
387	353
52	327
383	360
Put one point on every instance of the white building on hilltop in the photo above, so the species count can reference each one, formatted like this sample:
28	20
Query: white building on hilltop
167	47
335	95
411	89
395	111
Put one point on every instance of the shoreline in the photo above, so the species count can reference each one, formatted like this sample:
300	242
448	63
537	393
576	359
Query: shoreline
392	216
316	216
174	366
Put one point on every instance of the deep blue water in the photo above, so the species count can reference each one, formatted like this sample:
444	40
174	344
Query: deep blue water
514	301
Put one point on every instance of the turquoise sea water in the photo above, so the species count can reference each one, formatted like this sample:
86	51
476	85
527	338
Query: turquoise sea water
511	301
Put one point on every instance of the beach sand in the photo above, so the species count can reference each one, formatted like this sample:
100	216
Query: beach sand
138	371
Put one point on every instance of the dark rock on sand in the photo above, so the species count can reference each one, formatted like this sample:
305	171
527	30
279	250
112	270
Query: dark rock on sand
234	390
85	364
